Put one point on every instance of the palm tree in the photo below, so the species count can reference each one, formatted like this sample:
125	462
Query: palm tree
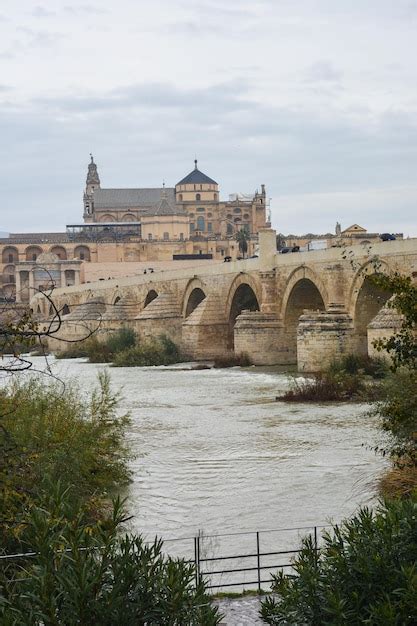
242	237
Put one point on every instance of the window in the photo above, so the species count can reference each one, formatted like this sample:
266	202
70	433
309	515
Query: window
82	256
215	196
210	227
166	236
11	278
209	215
200	223
34	255
201	209
10	258
246	216
237	210
229	229
222	252
180	197
198	196
181	236
150	236
192	227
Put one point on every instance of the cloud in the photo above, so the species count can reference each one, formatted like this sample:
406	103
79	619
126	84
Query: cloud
317	168
323	71
41	11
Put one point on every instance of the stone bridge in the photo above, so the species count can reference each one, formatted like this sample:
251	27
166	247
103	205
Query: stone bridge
303	308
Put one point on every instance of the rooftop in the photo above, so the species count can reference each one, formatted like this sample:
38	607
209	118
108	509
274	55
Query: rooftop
196	177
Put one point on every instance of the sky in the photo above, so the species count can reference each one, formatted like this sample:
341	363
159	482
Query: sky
317	99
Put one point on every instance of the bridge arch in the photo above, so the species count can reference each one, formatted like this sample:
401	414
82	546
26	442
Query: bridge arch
150	296
195	292
244	294
304	290
366	300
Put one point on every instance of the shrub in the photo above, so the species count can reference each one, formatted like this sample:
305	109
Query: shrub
361	364
364	574
159	351
51	433
84	573
327	387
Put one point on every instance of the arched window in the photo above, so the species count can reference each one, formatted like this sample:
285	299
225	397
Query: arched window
200	223
32	253
229	229
198	196
82	253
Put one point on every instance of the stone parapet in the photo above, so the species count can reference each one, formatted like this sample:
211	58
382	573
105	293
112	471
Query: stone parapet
323	337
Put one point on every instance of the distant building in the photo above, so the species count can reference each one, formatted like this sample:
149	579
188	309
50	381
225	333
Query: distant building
135	226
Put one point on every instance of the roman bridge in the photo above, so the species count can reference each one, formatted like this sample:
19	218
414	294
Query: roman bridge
279	309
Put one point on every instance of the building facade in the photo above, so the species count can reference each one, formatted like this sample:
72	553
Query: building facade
125	230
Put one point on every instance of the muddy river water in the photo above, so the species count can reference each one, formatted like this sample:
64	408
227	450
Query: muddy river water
216	453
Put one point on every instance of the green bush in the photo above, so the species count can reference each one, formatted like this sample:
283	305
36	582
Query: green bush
365	573
361	364
89	574
159	351
328	387
51	432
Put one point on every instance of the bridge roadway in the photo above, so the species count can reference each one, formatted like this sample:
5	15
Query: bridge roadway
303	307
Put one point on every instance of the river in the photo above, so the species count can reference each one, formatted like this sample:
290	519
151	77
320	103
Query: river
214	452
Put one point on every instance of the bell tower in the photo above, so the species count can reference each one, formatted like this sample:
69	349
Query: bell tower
92	183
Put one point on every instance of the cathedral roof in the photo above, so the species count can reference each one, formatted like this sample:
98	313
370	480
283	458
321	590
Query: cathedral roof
166	208
130	198
196	177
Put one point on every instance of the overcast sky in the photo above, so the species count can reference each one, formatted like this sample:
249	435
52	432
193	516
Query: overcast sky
315	98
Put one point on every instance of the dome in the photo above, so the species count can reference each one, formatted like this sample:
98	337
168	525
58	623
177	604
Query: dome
197	177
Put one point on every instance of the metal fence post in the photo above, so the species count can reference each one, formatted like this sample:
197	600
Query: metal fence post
196	561
258	559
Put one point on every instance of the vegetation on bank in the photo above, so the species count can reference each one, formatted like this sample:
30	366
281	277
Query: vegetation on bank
62	456
124	348
353	378
365	571
90	573
49	433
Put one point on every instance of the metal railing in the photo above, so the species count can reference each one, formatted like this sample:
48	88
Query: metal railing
242	556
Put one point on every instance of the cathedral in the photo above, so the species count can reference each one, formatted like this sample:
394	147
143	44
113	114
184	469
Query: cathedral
191	208
126	231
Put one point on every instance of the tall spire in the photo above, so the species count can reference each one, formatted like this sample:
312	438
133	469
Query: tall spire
195	164
92	174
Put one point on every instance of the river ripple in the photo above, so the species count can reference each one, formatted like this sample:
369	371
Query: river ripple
215	453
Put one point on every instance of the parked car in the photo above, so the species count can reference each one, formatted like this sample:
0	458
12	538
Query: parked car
285	250
227	259
387	237
295	249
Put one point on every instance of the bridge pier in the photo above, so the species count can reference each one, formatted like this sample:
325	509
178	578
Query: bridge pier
161	316
260	336
323	337
205	332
